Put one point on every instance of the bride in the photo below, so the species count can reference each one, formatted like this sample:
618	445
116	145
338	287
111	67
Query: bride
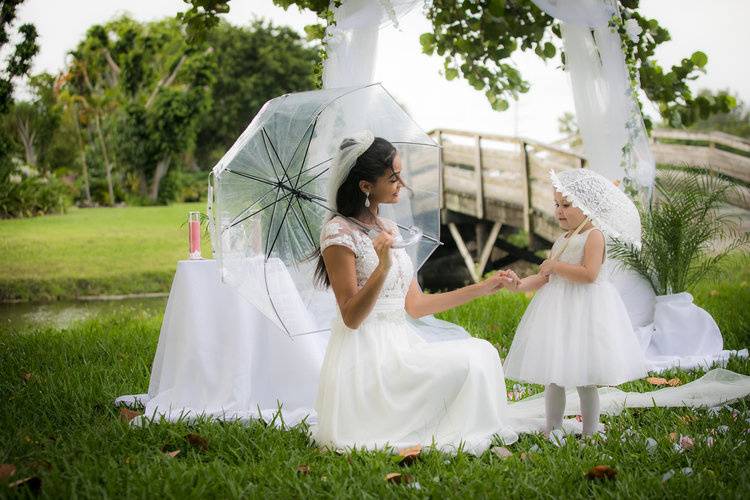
381	383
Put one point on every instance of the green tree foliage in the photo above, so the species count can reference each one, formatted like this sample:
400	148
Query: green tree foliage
735	122
254	64
19	60
144	92
33	124
477	39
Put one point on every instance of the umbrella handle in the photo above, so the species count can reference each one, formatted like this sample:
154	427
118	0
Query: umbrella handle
577	230
415	234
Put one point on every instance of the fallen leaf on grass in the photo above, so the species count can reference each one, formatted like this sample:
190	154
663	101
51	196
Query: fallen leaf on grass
657	381
7	470
126	414
170	450
501	452
673	436
398	478
409	455
686	442
601	472
26	376
34	483
303	470
674	382
197	441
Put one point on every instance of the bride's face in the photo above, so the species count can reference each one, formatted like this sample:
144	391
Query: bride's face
568	216
388	187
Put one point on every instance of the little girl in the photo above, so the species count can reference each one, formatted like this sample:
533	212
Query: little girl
576	331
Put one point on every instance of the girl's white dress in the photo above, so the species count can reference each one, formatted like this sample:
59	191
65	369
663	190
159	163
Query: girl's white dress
383	385
575	334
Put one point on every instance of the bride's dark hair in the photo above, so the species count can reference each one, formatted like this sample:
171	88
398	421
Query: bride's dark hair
350	200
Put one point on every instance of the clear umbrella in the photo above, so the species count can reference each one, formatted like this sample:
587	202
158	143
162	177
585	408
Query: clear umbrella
268	197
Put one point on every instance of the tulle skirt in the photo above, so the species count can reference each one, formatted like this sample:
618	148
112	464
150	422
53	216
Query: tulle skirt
575	334
382	386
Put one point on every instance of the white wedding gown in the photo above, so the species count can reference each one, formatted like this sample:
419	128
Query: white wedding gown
384	385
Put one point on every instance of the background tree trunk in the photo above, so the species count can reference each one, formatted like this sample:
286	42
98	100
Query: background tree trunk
84	164
159	173
107	165
27	138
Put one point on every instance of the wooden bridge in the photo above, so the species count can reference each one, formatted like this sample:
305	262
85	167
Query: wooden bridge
494	186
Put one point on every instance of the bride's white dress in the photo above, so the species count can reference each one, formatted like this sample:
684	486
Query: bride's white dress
383	385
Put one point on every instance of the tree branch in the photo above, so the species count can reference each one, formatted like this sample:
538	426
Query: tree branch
166	81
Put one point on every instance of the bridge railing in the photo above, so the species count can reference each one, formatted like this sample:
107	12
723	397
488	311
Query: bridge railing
504	178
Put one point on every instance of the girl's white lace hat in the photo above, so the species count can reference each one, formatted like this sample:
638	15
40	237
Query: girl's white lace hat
351	148
609	209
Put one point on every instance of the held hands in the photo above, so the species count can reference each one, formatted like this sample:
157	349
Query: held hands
514	282
500	279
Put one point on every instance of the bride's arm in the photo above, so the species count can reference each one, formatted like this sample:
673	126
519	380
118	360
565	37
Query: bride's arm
420	304
355	305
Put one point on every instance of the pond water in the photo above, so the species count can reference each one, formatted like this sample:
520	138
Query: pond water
24	316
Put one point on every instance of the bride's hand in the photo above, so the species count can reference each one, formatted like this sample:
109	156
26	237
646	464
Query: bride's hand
382	244
495	282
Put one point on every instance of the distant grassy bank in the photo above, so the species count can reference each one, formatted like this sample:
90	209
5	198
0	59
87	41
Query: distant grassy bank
93	251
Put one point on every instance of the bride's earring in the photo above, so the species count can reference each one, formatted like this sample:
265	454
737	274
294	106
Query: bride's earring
367	199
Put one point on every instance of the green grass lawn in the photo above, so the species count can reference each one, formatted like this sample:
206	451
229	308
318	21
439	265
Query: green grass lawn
93	251
57	423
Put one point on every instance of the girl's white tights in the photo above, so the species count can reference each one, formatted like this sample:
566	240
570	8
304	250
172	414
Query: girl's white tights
554	405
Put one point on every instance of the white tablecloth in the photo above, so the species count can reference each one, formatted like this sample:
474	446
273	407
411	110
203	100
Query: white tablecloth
219	356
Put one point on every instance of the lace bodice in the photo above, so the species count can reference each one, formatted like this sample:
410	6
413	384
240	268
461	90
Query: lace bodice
340	231
573	253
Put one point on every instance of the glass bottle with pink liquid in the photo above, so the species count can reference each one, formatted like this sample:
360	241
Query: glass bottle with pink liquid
194	235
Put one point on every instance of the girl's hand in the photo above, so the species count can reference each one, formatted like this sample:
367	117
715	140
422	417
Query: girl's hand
382	244
547	267
495	282
514	283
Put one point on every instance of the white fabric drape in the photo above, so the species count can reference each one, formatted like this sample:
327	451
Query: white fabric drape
614	136
352	43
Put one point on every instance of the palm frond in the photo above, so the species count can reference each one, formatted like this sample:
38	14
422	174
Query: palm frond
681	230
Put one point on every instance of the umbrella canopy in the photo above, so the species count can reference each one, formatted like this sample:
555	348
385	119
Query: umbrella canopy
609	208
269	201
